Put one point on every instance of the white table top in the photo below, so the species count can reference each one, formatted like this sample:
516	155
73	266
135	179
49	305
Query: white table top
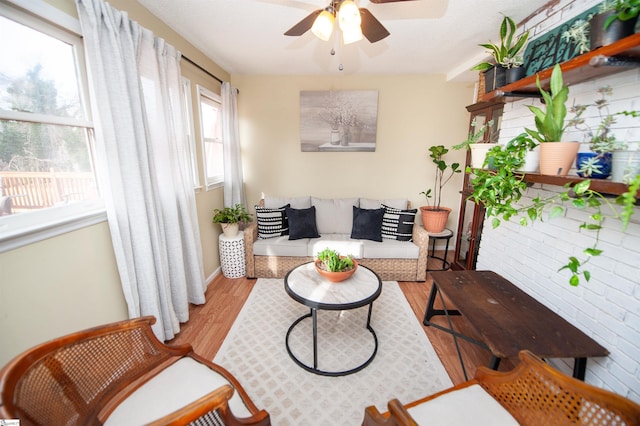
307	286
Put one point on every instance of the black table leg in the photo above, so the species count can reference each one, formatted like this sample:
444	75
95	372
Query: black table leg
494	363
314	318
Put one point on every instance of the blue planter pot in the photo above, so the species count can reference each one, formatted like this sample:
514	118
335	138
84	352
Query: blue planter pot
604	161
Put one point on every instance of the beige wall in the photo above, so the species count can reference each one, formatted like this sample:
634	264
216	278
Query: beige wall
414	112
58	286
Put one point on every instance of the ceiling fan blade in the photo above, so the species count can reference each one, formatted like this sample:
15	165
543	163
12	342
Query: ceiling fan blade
304	25
372	29
386	1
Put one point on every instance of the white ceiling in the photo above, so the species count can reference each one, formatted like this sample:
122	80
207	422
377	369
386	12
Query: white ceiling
427	36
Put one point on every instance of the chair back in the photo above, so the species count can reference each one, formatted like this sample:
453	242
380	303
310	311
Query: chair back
67	381
536	394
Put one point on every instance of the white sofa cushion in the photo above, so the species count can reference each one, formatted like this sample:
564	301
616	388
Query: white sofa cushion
334	215
281	246
296	202
471	405
389	249
396	203
174	387
342	243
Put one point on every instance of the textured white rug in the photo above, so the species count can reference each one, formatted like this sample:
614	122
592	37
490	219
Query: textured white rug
406	366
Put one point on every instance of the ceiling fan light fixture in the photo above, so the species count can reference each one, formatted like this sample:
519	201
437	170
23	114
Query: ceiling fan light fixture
323	25
349	16
351	35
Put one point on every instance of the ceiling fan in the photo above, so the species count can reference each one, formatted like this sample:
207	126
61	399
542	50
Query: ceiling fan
354	22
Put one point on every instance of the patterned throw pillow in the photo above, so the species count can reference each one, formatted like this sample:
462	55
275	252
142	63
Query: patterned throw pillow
398	224
272	222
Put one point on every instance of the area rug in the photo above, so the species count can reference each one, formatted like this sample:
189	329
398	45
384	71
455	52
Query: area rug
405	367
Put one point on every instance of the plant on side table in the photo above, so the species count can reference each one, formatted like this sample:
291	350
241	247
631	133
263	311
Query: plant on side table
434	217
507	56
230	217
556	156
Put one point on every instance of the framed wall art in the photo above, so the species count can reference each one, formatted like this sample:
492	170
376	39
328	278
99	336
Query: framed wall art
344	120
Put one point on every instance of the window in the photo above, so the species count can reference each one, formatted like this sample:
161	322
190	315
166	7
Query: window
212	147
188	119
46	160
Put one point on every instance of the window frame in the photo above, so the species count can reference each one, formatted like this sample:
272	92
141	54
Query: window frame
190	128
27	228
217	181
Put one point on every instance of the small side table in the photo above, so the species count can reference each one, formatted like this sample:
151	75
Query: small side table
444	235
232	259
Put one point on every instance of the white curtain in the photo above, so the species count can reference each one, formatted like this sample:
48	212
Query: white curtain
143	165
233	179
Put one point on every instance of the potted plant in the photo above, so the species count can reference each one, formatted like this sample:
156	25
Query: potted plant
478	149
556	156
507	56
602	142
500	191
434	217
334	267
229	219
625	11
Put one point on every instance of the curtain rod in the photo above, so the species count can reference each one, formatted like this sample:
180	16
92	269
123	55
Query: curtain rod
201	69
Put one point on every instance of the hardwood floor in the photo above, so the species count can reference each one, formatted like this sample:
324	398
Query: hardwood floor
209	324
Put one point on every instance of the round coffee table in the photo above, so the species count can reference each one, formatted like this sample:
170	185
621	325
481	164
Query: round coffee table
304	285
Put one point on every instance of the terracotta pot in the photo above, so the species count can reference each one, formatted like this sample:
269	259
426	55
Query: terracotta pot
556	158
433	220
336	277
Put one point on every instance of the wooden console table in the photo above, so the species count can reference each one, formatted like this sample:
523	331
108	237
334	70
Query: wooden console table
507	319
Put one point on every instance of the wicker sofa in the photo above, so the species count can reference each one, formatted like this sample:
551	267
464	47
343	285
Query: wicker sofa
271	254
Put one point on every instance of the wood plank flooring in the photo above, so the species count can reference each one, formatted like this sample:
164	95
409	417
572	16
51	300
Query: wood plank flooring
209	324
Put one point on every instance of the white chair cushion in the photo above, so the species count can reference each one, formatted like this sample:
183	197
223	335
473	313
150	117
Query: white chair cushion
296	202
396	203
334	215
342	243
280	246
467	406
176	386
390	249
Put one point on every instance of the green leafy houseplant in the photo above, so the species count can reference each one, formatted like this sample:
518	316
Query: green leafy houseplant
474	135
444	173
600	138
330	260
625	10
233	214
508	53
550	123
500	192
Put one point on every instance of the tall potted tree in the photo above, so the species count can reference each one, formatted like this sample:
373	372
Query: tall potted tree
556	156
434	217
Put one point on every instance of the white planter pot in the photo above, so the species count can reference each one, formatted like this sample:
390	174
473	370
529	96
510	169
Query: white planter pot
625	165
479	153
531	161
230	230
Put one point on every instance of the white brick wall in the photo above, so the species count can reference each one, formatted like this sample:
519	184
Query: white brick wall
608	307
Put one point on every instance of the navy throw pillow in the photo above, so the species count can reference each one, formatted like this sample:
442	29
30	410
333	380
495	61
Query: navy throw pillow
367	224
302	223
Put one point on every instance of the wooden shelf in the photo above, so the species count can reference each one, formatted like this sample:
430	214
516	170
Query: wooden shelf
575	70
602	186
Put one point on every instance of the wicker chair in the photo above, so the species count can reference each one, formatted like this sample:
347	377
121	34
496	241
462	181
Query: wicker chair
533	393
121	373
